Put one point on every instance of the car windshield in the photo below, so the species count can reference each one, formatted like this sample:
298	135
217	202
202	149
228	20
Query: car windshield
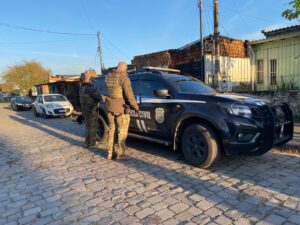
190	85
54	98
23	99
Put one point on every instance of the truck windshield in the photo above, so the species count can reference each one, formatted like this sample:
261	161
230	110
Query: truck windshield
190	85
54	98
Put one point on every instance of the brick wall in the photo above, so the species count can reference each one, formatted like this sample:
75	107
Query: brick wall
159	59
191	53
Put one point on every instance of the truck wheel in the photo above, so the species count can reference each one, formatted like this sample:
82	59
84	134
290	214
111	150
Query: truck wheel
102	129
200	146
35	112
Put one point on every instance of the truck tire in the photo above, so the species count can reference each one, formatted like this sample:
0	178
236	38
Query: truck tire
102	129
200	146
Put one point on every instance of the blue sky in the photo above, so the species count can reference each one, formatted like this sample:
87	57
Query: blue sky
129	28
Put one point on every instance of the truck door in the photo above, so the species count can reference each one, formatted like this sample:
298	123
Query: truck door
135	83
154	110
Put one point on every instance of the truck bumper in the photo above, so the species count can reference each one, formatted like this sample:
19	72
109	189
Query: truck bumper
269	127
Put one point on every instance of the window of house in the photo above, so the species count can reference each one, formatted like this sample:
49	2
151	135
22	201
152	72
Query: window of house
260	71
273	71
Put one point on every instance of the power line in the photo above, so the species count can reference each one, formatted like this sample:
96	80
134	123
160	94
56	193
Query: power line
87	16
207	16
244	15
113	45
50	41
42	31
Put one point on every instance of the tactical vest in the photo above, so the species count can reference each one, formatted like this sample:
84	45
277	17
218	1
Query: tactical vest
84	98
114	89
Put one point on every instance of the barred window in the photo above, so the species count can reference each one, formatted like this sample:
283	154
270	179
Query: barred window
260	71
273	71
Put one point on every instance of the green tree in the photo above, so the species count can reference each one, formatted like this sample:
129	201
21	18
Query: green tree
294	12
25	75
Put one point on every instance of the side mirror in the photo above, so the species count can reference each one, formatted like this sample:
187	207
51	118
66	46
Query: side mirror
162	93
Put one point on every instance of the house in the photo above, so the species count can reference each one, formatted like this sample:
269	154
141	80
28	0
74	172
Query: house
276	60
235	67
67	85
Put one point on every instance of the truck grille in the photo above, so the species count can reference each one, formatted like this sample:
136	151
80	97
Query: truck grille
276	120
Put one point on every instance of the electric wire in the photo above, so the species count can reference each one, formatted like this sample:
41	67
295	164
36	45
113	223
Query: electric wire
47	41
17	27
244	15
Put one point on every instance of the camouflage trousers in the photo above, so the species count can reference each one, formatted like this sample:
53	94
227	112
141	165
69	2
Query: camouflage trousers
121	123
91	125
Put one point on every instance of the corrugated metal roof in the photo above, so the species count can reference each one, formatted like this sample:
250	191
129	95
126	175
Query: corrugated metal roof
279	34
280	30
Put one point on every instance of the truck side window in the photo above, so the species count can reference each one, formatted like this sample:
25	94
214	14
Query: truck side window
135	84
148	87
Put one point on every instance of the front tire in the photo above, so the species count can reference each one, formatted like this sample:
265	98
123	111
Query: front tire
102	129
45	116
35	112
200	145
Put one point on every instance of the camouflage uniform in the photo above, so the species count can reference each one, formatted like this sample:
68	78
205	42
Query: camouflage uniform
119	96
89	110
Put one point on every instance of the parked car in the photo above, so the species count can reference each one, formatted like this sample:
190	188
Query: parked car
184	113
21	103
52	105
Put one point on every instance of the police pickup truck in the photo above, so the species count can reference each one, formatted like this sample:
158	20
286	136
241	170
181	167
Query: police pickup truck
184	113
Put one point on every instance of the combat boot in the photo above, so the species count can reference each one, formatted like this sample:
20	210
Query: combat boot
110	155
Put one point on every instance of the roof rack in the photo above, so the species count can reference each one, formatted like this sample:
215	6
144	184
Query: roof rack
161	69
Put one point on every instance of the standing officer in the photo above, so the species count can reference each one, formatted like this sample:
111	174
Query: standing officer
88	101
119	97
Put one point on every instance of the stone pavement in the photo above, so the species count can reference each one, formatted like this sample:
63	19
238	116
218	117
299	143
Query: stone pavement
47	177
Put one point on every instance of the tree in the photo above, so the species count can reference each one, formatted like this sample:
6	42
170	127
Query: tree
24	76
294	12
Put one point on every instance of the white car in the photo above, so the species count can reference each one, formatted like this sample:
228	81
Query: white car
52	105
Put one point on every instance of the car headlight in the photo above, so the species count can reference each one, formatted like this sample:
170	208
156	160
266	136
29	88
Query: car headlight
50	106
241	110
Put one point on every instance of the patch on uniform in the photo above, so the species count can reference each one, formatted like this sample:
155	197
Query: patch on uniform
160	115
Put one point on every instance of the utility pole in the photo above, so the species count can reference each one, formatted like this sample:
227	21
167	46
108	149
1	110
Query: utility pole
217	45
202	59
100	53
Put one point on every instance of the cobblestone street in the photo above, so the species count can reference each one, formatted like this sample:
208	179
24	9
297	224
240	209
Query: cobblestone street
48	177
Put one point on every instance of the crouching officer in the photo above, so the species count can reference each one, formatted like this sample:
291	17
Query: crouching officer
120	95
89	101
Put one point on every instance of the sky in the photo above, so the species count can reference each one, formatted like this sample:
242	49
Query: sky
128	28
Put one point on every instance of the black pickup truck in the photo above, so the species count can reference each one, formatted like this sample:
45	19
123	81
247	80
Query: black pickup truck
184	113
